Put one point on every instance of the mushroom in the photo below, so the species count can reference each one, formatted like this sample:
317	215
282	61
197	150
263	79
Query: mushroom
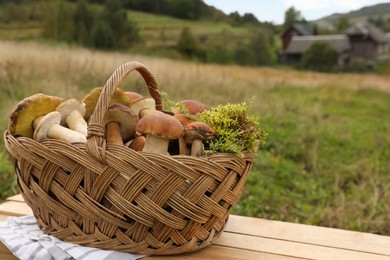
160	128
197	132
133	95
27	113
120	121
143	103
49	127
72	112
184	120
193	107
90	100
138	143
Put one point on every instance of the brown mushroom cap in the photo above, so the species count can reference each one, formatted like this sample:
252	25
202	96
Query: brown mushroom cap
183	119
160	124
90	100
28	109
193	107
123	115
133	95
198	130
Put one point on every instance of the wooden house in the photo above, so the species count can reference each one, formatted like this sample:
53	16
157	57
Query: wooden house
361	41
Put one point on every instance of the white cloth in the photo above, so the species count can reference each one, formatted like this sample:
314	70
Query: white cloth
25	240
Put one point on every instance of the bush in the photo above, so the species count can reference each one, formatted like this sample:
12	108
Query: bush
187	44
358	65
219	54
243	55
102	36
320	56
383	67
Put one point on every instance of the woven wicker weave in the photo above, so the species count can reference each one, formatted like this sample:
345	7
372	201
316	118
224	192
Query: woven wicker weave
111	197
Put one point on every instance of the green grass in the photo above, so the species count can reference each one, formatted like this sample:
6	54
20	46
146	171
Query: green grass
326	161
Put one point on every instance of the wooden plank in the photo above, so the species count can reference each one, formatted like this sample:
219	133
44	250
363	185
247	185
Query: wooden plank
3	218
5	254
295	249
215	252
17	197
14	208
314	235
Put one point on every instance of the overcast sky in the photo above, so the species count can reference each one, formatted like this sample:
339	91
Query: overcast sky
273	10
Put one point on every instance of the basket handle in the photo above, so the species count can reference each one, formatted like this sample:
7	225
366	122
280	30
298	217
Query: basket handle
95	138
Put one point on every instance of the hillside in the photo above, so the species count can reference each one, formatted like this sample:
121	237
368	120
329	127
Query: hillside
213	38
362	14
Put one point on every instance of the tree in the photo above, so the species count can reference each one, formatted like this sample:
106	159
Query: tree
243	55
113	19
56	25
343	24
187	44
219	54
320	56
82	23
291	16
262	46
102	36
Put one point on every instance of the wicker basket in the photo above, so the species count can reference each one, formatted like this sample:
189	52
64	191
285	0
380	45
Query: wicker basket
110	197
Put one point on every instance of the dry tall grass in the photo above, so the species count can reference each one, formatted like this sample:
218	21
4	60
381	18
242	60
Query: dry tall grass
28	68
66	65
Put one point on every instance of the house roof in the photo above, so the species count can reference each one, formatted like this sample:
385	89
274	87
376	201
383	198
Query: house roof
367	29
302	28
299	44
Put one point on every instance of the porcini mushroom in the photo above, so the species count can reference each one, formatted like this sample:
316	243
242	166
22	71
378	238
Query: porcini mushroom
160	128
49	127
90	100
195	133
193	107
133	95
26	114
184	120
138	143
120	121
143	103
72	112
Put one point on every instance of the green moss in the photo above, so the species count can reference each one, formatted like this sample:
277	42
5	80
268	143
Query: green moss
237	130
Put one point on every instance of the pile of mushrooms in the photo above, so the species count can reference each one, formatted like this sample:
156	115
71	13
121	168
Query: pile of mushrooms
130	120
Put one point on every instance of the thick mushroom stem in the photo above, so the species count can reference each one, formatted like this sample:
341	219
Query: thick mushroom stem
197	147
195	133
73	112
120	123
49	127
59	132
76	122
183	150
113	132
156	144
138	143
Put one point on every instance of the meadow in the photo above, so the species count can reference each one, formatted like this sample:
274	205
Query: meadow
326	160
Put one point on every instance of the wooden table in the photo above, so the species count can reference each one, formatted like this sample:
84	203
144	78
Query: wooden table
254	238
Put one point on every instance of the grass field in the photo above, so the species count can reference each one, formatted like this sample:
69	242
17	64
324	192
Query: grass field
327	157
